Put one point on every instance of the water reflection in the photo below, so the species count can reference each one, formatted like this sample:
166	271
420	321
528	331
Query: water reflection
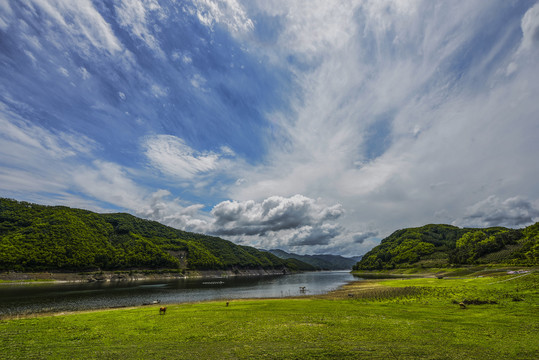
23	299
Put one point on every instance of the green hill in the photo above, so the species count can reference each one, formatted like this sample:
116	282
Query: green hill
446	245
37	237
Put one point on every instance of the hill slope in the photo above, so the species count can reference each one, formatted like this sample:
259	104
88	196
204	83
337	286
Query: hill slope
443	245
319	262
36	237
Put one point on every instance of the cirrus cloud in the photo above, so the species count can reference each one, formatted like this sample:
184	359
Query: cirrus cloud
229	13
172	156
79	19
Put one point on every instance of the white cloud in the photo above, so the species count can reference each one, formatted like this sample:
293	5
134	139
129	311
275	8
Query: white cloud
402	113
313	29
63	71
198	81
35	159
108	182
187	59
530	28
376	61
52	165
31	56
274	214
529	46
173	213
84	73
492	211
80	18
133	15
158	91
313	236
5	14
228	13
117	185
20	139
173	157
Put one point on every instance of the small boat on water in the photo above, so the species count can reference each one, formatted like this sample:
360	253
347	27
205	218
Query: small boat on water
152	303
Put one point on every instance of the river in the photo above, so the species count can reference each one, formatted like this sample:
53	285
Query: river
19	299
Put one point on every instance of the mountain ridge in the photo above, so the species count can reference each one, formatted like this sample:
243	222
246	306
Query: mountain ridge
320	262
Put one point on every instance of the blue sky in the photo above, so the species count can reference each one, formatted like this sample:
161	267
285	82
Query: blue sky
310	126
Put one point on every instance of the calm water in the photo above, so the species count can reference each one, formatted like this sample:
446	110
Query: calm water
23	299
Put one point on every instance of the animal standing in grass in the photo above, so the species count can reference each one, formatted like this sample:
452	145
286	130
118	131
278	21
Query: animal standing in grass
162	310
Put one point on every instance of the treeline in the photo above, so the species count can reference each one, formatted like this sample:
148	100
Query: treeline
446	245
37	238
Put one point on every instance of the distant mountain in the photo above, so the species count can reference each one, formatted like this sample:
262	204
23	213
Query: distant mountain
320	262
446	245
36	237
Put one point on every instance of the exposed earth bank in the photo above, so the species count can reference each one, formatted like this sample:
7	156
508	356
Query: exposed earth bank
133	275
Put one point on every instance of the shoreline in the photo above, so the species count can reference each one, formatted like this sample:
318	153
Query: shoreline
200	275
23	278
342	292
411	319
41	314
468	271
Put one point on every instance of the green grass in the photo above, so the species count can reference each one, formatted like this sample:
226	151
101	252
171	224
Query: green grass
383	319
417	271
26	281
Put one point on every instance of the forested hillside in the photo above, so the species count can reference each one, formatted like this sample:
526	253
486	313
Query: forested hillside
36	237
319	262
446	245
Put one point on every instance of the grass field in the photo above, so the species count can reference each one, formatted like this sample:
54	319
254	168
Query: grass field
374	319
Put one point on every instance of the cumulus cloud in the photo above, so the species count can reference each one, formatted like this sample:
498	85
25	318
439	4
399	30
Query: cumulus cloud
315	235
274	214
513	212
